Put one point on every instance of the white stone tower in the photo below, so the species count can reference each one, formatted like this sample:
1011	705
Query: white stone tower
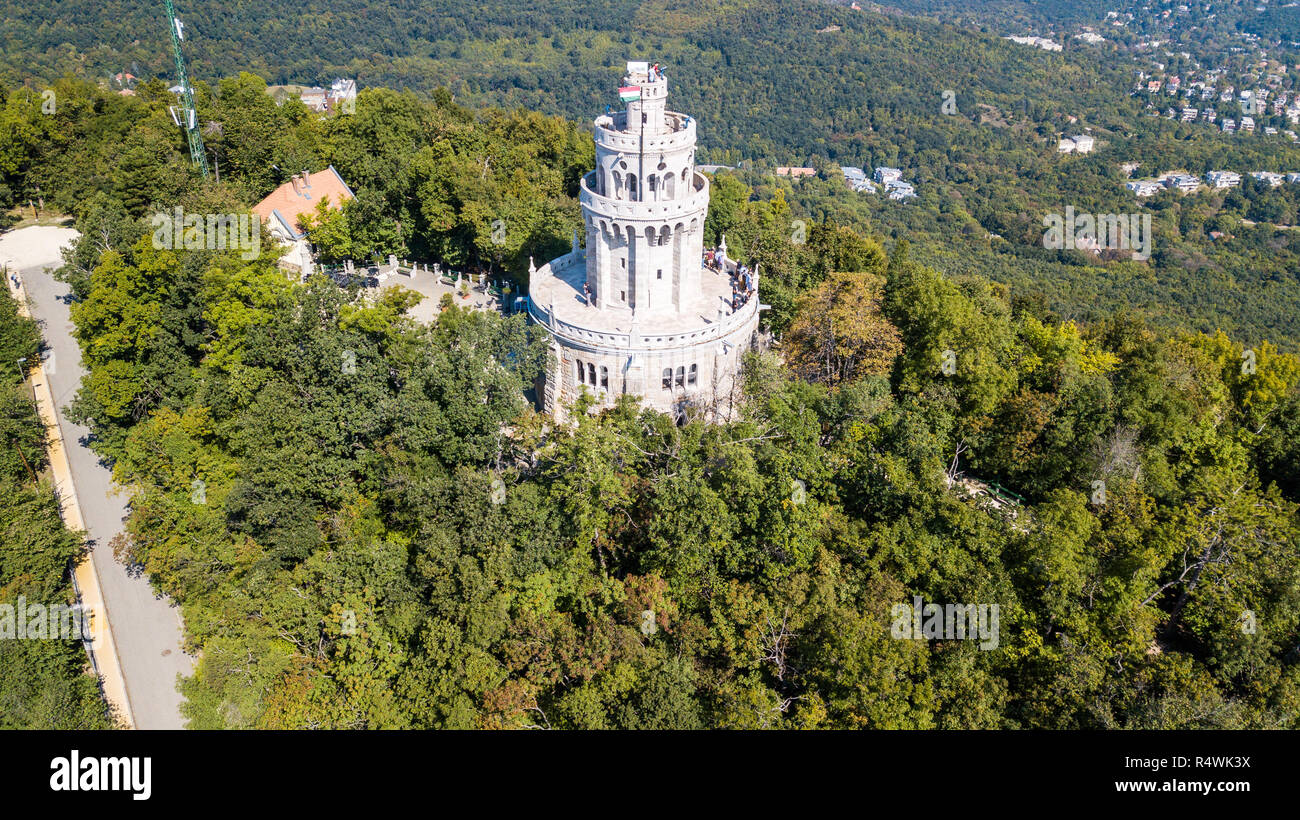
637	311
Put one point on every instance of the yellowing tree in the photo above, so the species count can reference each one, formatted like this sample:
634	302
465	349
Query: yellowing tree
839	333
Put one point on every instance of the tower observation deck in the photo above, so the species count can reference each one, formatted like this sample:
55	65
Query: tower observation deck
636	310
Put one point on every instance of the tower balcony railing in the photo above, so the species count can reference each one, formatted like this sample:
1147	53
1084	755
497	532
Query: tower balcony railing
681	134
648	210
710	329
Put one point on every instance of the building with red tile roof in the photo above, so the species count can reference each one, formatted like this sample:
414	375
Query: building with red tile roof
284	209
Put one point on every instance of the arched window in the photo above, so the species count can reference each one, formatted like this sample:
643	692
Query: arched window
681	377
631	187
581	371
690	379
668	378
604	377
591	374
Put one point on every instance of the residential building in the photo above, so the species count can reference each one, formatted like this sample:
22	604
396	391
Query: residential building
899	190
284	208
341	93
314	98
1040	42
1273	179
885	175
857	180
1081	144
1223	179
1143	187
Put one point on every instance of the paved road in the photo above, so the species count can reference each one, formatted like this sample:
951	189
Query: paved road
147	628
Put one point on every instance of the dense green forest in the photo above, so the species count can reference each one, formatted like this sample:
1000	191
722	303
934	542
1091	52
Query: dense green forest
430	177
44	684
1243	284
354	563
791	83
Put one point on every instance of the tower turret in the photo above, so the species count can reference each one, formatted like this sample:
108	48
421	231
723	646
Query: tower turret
644	204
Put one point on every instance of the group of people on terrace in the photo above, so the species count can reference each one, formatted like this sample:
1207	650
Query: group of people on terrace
742	278
742	286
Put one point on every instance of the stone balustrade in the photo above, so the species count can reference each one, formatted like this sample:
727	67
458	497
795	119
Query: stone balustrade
643	341
621	138
646	211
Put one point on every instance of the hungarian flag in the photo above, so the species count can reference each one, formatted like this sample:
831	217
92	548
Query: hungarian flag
630	93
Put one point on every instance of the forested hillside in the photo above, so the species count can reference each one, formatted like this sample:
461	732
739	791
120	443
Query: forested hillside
354	562
789	83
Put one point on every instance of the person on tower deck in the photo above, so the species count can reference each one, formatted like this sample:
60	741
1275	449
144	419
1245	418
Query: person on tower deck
586	292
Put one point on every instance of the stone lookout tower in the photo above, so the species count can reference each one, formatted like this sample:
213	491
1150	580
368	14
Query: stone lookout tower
638	310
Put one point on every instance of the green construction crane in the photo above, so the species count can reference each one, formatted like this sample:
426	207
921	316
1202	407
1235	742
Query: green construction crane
189	114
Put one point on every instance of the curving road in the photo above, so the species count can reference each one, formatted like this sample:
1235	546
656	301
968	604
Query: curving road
147	628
